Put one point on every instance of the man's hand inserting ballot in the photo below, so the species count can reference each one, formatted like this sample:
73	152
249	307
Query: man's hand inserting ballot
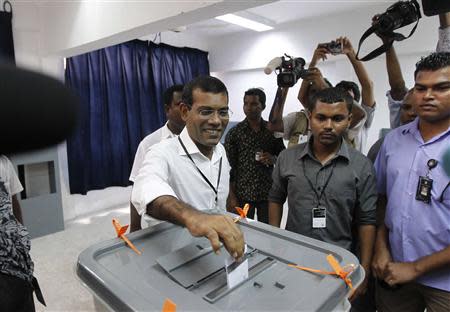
215	227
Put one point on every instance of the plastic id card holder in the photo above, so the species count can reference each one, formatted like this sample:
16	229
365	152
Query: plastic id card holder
319	217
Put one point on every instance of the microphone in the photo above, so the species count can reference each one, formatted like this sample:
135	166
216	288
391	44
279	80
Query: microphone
36	111
272	65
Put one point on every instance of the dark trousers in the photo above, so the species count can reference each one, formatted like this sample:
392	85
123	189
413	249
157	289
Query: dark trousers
261	207
16	294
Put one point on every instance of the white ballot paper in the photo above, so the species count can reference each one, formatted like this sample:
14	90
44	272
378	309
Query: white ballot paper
237	271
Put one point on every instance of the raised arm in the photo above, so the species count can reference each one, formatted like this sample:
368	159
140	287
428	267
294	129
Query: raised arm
394	71
320	53
367	94
275	123
444	33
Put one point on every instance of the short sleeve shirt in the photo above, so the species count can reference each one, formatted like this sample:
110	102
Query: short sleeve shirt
15	259
167	170
252	179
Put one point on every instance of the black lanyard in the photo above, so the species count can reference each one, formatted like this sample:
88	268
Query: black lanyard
215	189
318	196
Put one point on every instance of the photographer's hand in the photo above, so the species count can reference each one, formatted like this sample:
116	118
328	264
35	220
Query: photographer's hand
367	93
382	37
320	53
347	47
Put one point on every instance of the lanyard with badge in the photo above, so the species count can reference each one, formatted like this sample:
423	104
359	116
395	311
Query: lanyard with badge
425	184
215	189
319	213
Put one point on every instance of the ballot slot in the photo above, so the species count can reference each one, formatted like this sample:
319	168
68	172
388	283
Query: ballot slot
253	271
193	265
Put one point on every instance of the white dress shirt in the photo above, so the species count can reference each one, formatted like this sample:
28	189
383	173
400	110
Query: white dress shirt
167	170
150	140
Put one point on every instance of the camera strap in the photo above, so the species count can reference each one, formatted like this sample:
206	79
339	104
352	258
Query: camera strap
393	36
386	46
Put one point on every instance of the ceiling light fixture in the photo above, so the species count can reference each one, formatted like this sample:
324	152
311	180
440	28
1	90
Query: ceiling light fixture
244	22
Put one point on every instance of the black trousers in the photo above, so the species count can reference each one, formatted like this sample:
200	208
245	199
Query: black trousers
16	294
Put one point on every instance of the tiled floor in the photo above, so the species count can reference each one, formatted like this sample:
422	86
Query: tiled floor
55	258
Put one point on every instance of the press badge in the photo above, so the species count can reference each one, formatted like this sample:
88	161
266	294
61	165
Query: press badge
425	184
423	192
319	218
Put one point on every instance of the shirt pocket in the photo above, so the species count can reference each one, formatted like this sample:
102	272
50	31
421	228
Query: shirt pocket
342	201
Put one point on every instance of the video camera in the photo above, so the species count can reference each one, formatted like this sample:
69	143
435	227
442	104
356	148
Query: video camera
290	70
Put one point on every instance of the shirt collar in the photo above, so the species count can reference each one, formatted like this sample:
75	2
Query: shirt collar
343	150
166	133
262	123
413	129
192	149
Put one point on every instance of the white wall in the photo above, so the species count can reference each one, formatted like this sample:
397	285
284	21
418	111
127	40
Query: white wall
239	59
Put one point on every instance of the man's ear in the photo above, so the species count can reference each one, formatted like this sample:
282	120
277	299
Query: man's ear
184	110
350	116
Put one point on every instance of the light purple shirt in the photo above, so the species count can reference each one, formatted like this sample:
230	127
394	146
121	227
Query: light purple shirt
416	229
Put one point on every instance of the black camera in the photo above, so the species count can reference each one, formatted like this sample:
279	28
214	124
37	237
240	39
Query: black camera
291	70
399	14
333	47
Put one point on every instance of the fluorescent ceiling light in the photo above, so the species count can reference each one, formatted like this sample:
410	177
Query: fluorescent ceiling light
244	22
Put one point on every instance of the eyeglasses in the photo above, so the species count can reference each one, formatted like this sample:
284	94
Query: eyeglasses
224	113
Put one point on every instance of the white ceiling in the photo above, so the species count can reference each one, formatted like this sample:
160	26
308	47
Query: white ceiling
282	12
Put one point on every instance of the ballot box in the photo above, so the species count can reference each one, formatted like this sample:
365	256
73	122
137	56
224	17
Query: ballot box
184	269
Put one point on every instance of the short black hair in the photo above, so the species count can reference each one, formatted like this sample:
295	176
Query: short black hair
260	93
433	62
330	96
350	85
205	84
168	94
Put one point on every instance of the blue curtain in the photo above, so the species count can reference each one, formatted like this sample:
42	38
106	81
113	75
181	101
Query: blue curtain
116	96
172	65
121	97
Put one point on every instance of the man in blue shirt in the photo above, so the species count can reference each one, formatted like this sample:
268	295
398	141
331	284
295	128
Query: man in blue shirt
412	252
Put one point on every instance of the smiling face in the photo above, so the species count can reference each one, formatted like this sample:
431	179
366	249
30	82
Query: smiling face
329	122
432	94
206	119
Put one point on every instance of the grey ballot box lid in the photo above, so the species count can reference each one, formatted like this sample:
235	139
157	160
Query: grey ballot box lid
177	266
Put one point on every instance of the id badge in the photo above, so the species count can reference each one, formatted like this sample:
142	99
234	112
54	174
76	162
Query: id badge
302	139
319	218
423	192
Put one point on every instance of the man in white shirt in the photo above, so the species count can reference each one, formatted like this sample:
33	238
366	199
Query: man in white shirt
184	179
172	128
